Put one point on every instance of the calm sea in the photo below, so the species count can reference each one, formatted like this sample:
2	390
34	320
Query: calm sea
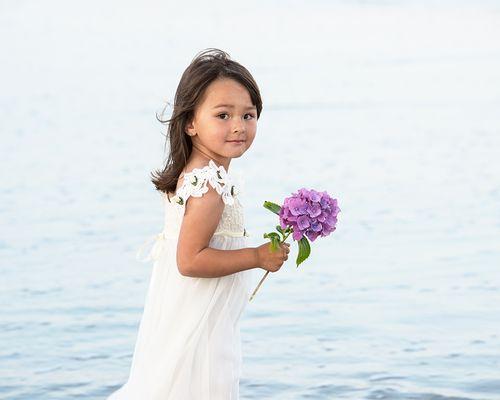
390	106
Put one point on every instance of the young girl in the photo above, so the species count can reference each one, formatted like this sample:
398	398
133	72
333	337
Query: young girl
188	344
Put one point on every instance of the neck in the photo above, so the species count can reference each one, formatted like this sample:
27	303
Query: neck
199	152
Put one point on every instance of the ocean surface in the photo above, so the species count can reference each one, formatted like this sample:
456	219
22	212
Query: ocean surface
393	107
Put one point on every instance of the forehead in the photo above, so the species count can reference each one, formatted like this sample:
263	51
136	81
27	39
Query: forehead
227	91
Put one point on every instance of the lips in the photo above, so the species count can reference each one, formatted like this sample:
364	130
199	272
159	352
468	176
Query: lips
236	141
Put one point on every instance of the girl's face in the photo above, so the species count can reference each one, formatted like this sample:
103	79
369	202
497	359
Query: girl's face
225	122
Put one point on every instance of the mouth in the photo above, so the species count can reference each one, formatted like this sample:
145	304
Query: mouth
236	141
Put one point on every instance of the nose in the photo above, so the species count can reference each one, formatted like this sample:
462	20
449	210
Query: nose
238	126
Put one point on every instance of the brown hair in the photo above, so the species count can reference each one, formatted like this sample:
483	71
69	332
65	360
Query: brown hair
208	65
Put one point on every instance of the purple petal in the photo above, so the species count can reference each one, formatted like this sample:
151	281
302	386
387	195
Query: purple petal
303	222
314	196
297	235
312	235
314	210
298	207
316	226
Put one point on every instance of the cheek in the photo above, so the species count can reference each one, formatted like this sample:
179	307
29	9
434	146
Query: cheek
215	127
250	137
252	126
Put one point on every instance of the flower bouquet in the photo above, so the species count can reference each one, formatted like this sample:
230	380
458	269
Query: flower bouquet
305	214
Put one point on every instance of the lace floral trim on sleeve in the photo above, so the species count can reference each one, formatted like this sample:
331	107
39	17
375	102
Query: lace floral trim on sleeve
195	184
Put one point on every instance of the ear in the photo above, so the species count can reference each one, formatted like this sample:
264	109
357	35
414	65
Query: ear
189	129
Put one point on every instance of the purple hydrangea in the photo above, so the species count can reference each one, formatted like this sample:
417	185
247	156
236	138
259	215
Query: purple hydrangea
309	213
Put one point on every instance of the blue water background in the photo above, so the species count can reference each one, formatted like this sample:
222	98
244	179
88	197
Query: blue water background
393	107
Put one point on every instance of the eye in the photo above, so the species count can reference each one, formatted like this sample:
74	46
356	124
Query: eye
222	114
251	115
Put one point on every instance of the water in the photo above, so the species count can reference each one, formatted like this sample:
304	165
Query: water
391	107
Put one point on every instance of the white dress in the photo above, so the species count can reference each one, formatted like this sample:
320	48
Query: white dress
188	345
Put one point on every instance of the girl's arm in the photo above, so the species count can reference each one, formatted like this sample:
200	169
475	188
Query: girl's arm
194	257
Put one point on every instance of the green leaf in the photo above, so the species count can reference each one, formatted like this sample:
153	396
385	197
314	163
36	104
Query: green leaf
279	229
275	240
273	207
275	243
304	250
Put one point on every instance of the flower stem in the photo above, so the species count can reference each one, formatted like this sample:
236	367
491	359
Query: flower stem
284	237
267	273
258	286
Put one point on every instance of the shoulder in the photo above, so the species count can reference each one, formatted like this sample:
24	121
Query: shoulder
209	178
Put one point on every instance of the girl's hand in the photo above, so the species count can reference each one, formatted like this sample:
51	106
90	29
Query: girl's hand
272	260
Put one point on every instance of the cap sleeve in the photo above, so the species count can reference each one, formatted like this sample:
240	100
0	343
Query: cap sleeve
196	183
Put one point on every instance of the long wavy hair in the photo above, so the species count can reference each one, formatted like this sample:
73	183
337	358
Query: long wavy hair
208	65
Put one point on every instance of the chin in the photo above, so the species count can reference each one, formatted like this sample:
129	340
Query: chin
237	154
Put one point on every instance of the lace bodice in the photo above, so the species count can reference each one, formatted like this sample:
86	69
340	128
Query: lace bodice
195	184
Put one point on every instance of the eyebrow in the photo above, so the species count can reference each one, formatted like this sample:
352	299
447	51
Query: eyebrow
231	106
